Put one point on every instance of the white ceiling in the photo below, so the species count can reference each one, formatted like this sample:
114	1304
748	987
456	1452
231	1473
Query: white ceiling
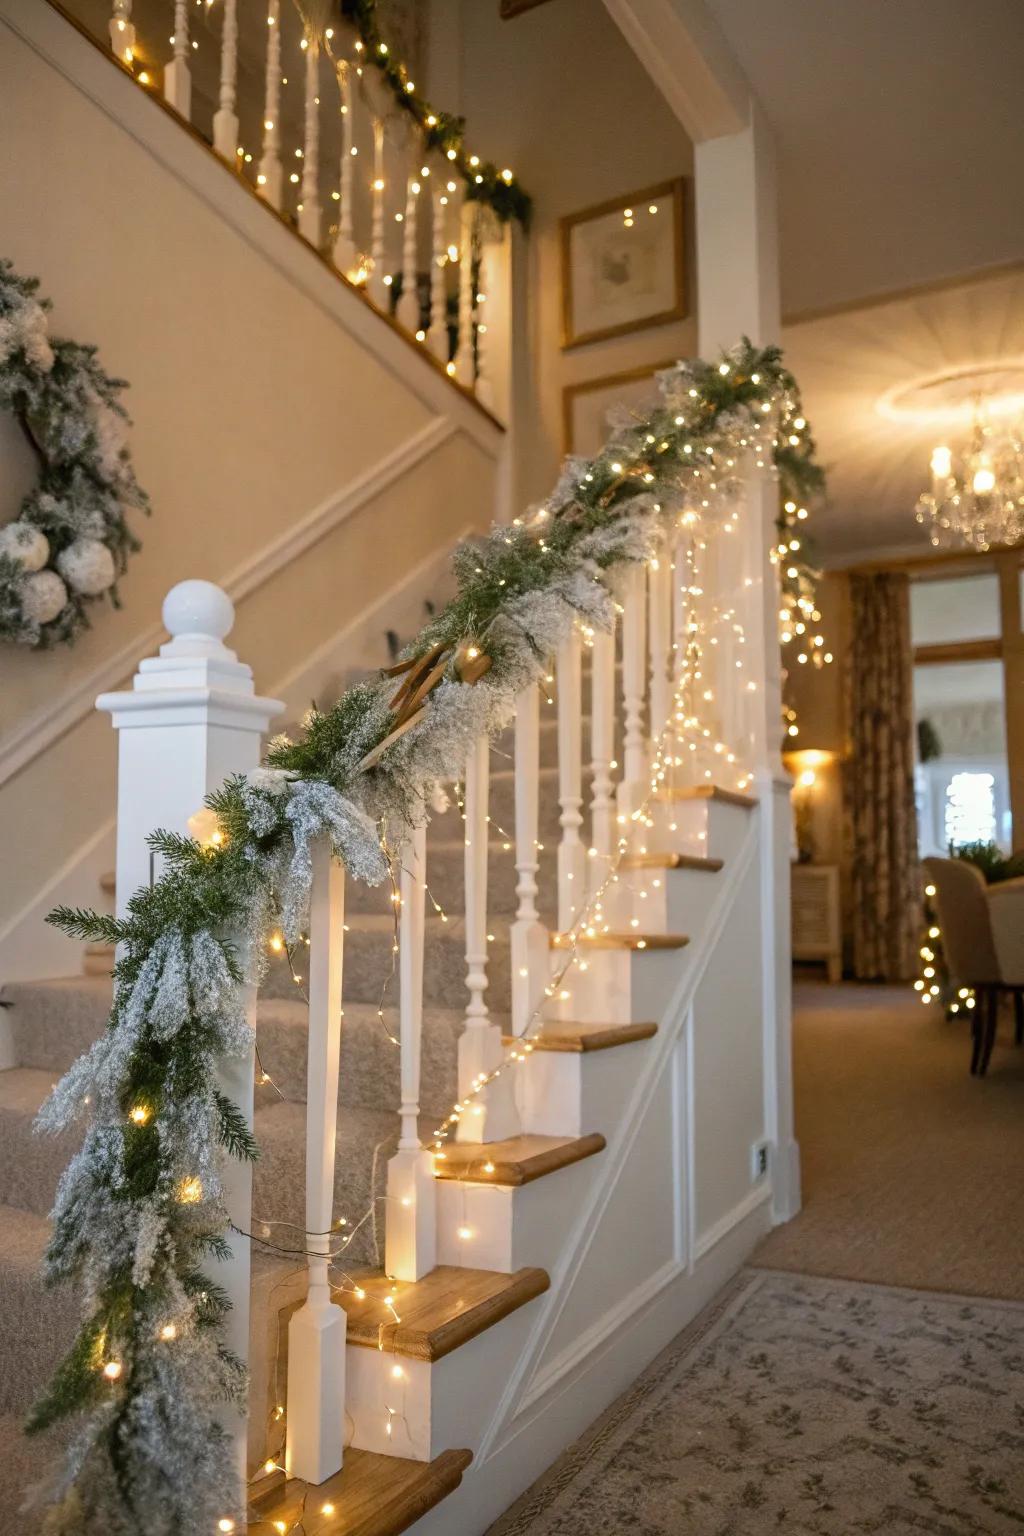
900	140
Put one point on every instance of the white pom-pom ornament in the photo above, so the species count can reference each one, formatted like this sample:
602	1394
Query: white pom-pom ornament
42	597
87	566
25	543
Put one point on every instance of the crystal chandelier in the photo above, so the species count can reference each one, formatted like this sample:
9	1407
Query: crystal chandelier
977	497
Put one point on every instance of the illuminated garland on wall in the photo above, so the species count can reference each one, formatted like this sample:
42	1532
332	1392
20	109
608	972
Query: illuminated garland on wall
139	1209
485	183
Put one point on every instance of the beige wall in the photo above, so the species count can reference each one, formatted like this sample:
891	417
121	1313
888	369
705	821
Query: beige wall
558	95
253	404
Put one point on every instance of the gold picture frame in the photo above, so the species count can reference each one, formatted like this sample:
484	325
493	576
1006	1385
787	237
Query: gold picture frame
615	386
614	258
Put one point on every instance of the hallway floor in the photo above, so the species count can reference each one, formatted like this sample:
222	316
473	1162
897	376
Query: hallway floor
913	1171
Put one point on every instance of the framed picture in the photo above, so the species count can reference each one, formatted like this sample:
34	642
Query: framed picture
623	265
585	406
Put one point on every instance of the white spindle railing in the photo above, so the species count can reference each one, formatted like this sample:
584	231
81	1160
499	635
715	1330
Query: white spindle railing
316	1333
659	638
528	937
634	681
378	288
122	31
464	368
408	309
225	119
344	244
437	334
177	76
602	752
411	1233
269	179
309	209
572	858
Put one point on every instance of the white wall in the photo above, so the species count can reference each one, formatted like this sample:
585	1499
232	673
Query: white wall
260	397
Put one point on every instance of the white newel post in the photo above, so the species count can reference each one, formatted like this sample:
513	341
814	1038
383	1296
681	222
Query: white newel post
177	78
122	30
737	248
317	1331
410	1249
225	119
572	858
490	1115
530	949
191	719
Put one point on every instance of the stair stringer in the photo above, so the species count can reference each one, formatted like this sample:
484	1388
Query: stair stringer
555	1389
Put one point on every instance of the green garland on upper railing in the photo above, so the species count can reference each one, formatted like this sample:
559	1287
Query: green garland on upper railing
139	1210
485	183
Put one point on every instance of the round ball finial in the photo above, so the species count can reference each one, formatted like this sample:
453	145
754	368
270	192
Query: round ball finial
198	608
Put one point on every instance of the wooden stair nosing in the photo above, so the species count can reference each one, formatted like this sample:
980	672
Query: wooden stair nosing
371	1496
517	1161
671	861
439	1313
620	940
708	792
566	1036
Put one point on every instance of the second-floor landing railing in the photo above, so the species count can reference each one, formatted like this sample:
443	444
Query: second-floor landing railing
317	113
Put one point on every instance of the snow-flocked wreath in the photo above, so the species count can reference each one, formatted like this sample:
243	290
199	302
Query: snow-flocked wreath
70	541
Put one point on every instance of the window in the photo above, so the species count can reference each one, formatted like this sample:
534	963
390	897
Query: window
958	608
970	809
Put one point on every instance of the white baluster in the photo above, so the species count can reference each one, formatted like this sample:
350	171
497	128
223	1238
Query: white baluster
122	31
316	1333
659	614
345	245
225	119
602	750
633	786
490	1114
177	79
530	949
376	285
310	212
464	356
408	311
572	862
269	180
437	334
411	1241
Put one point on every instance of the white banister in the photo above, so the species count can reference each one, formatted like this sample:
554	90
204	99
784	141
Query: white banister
408	311
437	333
376	285
225	119
309	211
634	661
177	78
345	245
269	180
530	949
572	860
411	1235
191	720
488	1114
602	751
464	352
659	616
316	1333
122	31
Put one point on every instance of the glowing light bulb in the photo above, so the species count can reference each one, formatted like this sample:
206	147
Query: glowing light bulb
942	463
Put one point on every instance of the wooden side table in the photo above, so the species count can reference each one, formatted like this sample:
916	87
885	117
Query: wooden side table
815	905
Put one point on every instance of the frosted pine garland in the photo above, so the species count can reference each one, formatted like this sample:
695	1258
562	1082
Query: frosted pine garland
70	541
139	1208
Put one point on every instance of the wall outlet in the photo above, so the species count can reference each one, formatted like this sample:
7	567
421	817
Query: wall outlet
759	1161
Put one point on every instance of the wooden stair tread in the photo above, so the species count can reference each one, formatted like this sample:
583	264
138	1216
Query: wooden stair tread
671	861
108	882
708	792
519	1160
563	1035
446	1308
371	1495
623	941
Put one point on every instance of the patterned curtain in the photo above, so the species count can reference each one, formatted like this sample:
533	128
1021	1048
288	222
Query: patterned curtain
878	781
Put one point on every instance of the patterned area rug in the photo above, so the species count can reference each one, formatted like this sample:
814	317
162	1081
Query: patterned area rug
798	1404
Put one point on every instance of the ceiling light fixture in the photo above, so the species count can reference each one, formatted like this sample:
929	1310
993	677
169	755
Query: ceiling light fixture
977	494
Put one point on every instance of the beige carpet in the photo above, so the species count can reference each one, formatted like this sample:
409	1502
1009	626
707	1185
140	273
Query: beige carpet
913	1171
